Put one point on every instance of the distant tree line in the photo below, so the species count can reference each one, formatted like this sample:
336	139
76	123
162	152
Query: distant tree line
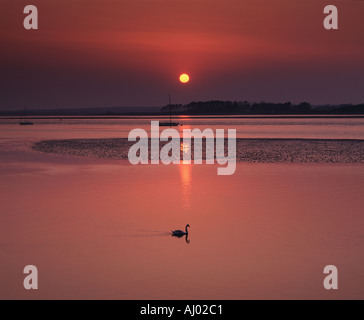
261	108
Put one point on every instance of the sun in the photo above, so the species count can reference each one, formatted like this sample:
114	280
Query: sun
184	78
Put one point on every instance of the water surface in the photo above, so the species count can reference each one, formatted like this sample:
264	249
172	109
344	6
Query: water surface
99	228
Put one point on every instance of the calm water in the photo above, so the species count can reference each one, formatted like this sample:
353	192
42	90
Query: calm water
313	128
99	229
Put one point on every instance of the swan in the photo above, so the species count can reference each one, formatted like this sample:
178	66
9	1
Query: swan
180	233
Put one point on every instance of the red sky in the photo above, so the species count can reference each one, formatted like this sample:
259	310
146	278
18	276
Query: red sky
93	53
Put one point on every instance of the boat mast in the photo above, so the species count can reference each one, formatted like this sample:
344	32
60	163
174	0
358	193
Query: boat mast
23	116
170	112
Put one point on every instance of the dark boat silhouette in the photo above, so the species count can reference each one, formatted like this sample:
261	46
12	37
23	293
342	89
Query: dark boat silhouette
170	123
24	122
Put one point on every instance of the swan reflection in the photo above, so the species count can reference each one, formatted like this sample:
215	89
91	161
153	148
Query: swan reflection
183	235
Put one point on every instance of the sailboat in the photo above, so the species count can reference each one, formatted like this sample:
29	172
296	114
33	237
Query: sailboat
170	123
24	122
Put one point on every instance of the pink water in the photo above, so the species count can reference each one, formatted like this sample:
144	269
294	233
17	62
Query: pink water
99	229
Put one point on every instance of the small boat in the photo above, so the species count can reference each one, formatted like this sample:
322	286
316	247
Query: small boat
170	123
24	122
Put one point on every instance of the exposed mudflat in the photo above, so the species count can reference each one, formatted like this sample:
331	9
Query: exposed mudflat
247	150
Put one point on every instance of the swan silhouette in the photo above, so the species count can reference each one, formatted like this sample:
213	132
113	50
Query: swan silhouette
180	233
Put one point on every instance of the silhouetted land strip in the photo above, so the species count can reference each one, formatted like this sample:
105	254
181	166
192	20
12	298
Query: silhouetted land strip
158	117
212	107
262	108
248	150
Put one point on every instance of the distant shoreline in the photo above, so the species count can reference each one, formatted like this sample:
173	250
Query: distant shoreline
163	116
200	108
247	150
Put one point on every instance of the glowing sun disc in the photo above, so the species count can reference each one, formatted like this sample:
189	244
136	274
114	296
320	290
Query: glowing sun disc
184	78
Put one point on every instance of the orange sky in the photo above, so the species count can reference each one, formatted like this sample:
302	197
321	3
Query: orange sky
90	53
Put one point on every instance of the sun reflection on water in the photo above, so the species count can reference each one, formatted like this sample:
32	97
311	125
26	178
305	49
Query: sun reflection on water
185	170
